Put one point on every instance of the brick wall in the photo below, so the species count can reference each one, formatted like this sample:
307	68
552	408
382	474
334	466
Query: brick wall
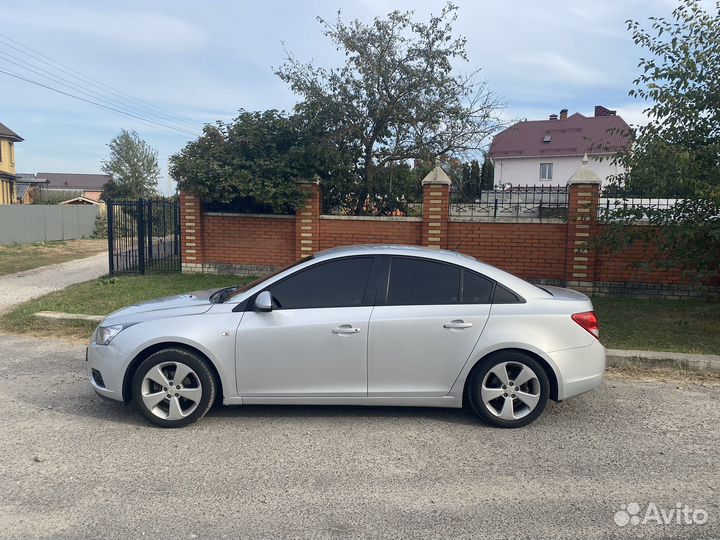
544	251
339	231
533	251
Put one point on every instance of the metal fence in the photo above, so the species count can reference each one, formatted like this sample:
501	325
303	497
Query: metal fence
639	207
143	235
529	202
25	224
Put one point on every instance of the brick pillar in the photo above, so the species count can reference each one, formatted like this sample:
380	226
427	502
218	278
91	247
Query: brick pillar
436	208
191	232
307	218
583	201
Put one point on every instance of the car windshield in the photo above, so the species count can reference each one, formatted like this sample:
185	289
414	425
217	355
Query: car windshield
247	286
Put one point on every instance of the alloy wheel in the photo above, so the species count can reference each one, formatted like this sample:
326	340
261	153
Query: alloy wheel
171	390
510	390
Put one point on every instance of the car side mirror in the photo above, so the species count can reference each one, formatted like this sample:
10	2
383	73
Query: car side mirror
263	302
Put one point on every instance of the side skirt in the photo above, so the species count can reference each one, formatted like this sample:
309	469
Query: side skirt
444	401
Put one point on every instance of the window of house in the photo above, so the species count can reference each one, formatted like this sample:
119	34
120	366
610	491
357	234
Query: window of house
1	153
546	171
337	283
12	153
422	282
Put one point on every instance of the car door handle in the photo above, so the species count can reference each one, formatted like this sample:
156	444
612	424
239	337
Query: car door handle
345	329
457	324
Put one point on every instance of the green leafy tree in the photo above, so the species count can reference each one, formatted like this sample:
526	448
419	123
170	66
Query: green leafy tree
395	99
251	163
132	166
677	153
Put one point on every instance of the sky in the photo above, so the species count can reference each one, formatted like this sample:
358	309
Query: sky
191	63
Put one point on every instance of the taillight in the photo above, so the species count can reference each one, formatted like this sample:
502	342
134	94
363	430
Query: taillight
589	322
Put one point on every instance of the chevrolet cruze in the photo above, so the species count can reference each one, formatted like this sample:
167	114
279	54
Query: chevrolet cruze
361	325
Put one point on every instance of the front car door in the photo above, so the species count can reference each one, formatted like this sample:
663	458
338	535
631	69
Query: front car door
314	341
428	318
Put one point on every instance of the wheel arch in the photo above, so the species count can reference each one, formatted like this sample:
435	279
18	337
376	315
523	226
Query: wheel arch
152	349
549	371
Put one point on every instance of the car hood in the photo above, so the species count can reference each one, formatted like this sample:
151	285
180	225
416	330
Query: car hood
193	303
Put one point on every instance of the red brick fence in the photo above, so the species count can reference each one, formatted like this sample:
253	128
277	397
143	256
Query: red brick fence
550	251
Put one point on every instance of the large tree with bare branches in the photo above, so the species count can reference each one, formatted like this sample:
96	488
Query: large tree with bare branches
396	98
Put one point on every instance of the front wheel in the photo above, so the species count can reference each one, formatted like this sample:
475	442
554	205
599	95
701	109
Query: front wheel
509	389
173	388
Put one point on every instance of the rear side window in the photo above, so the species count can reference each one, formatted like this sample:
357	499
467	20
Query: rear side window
476	289
338	283
422	282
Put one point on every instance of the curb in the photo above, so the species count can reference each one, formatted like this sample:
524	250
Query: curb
692	362
59	315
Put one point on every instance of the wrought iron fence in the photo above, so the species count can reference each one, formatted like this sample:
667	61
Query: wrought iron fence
639	208
519	202
143	235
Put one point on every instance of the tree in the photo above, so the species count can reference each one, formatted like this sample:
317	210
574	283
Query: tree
487	174
678	152
132	166
395	99
251	163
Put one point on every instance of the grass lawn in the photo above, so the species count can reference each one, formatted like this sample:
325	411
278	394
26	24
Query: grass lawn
20	257
687	326
102	296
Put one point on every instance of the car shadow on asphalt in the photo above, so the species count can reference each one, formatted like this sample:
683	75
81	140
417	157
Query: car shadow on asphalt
85	404
301	412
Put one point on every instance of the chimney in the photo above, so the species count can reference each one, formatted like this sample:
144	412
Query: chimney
602	111
563	114
553	117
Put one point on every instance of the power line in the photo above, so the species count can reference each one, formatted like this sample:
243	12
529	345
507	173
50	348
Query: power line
36	55
81	90
95	103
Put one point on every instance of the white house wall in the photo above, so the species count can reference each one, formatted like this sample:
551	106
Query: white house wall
526	171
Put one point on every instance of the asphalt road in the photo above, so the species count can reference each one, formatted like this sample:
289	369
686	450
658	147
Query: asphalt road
74	466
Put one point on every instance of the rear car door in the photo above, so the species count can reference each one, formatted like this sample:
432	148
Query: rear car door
314	341
428	317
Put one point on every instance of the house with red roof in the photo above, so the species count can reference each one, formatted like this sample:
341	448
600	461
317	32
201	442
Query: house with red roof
548	152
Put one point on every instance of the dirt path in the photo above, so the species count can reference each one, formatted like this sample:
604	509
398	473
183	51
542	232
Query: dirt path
23	286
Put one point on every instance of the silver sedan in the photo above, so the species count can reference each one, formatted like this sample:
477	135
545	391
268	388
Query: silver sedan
361	325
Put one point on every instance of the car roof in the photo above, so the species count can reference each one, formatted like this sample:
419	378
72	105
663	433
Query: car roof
515	283
391	249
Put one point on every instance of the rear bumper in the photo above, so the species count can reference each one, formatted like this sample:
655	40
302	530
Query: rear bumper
580	370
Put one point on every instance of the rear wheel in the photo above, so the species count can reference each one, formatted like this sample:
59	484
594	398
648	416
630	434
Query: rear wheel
509	389
173	388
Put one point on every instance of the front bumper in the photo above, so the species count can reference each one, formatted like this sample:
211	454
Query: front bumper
111	365
580	370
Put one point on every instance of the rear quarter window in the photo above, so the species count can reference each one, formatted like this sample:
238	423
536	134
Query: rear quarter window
503	295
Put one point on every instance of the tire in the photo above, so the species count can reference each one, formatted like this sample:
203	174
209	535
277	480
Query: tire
501	404
167	402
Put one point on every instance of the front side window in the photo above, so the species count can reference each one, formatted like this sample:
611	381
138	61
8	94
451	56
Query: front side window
546	171
337	283
12	153
422	282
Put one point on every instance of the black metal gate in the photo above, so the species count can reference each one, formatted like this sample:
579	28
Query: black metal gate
144	235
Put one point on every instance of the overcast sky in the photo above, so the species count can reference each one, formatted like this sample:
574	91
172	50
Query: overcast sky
202	61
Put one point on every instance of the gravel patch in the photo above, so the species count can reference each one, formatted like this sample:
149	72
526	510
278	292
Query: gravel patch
74	466
23	286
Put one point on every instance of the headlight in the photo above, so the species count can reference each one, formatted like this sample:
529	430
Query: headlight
105	334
